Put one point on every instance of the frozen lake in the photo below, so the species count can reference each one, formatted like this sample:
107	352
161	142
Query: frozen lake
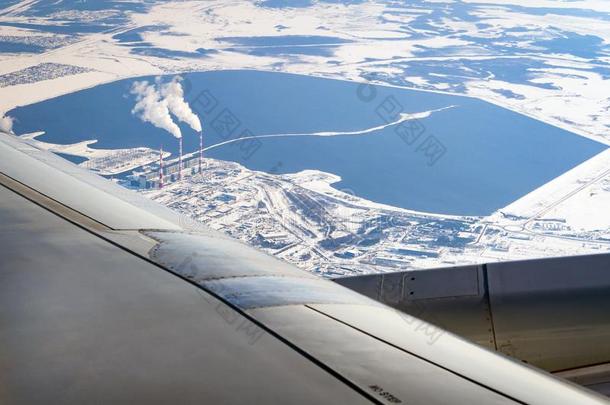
467	158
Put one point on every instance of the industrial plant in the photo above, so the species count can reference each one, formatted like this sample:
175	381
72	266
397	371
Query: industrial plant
158	103
165	171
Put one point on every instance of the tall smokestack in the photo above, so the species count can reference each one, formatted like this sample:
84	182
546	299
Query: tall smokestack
180	160
200	150
161	167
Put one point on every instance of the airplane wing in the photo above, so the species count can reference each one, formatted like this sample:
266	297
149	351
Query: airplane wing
553	313
106	297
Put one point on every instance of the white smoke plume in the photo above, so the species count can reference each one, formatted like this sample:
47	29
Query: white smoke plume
6	124
151	107
173	93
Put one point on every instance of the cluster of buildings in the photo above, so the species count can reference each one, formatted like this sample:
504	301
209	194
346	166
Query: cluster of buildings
162	172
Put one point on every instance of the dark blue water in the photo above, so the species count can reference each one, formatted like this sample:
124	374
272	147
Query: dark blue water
171	53
492	156
65	28
285	45
455	72
17	47
133	39
43	8
584	46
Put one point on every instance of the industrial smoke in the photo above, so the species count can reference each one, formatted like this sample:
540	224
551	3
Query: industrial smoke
151	107
6	124
173	94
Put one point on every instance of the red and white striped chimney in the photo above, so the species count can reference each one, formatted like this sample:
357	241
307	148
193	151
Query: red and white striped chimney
180	160
161	167
200	150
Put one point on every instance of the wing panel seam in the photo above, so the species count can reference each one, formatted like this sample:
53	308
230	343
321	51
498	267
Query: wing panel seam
243	313
416	355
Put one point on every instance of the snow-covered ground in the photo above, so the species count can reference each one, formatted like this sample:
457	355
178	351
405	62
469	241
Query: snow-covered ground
106	162
548	59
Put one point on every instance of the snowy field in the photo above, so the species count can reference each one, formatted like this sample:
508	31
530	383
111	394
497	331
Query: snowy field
549	60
